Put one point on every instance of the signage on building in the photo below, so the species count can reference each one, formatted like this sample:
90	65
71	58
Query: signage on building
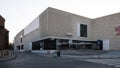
117	30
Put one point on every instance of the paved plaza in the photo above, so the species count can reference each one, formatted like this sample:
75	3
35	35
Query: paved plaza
33	60
111	58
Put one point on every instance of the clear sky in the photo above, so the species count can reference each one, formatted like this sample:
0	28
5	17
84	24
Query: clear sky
19	13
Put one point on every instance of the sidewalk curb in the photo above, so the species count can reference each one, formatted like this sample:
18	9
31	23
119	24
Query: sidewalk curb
71	56
14	57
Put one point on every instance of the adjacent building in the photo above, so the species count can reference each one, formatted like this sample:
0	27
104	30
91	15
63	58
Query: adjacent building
55	29
4	35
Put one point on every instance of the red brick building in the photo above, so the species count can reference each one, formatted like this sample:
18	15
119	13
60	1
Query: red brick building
4	35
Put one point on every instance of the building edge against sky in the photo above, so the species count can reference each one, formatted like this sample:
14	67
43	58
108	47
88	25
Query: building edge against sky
54	28
4	35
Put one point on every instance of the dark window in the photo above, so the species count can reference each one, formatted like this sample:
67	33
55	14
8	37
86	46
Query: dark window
49	44
83	30
22	47
36	46
21	40
18	47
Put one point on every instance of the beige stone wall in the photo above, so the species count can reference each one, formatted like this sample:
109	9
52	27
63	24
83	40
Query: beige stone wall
60	23
43	24
18	38
31	37
82	20
104	28
54	22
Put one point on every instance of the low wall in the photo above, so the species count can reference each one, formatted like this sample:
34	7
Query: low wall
44	51
6	53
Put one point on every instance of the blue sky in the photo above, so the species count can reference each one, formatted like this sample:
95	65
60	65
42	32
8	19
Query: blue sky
19	13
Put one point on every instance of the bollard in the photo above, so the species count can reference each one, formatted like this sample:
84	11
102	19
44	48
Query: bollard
0	54
58	54
11	53
3	52
7	52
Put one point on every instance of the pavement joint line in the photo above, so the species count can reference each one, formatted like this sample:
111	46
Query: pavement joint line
110	62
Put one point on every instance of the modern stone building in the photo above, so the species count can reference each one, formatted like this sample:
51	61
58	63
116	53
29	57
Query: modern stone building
55	29
4	35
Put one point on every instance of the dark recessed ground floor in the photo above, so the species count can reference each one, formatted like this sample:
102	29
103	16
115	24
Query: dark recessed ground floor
64	44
